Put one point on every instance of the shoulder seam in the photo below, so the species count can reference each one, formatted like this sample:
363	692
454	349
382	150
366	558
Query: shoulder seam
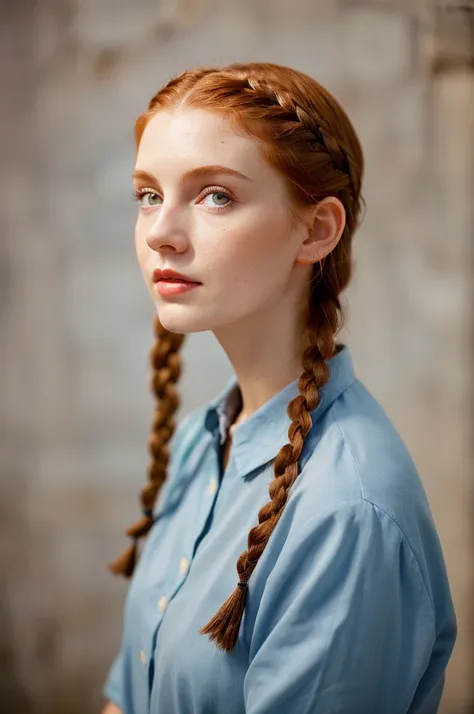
406	541
336	423
381	510
378	510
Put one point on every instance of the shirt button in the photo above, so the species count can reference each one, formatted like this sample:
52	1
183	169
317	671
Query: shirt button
143	657
213	485
183	565
162	603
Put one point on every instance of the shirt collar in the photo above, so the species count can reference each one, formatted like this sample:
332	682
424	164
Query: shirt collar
259	438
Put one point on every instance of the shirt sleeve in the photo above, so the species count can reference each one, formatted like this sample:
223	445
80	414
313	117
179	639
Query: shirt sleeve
345	624
113	686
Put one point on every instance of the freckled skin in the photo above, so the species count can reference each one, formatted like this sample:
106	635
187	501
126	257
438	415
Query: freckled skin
253	257
252	267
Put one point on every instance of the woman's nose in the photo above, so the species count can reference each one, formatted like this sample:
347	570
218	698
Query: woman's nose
167	231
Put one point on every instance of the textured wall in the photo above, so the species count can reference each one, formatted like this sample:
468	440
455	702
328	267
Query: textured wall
76	320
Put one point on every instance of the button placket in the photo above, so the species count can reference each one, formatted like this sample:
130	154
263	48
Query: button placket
209	487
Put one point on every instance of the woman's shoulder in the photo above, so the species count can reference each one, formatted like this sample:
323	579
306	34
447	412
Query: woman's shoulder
355	453
375	454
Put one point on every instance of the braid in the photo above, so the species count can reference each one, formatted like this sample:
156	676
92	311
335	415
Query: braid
309	128
280	109
317	135
166	370
224	626
305	135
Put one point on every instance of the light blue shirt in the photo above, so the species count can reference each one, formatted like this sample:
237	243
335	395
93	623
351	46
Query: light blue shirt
349	608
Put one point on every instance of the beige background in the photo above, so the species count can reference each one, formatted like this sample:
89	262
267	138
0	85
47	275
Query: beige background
76	319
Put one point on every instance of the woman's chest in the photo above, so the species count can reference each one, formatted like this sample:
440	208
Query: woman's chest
187	572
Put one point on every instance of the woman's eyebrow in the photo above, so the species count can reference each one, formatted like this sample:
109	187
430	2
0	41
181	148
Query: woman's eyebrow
199	172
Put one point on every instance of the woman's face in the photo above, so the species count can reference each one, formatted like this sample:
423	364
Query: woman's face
213	209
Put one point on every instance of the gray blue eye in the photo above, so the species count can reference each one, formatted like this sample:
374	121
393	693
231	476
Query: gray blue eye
152	199
147	197
217	199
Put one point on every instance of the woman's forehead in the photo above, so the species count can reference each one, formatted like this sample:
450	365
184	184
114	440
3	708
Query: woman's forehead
184	138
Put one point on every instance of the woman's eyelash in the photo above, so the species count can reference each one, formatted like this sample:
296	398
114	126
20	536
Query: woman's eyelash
139	192
216	189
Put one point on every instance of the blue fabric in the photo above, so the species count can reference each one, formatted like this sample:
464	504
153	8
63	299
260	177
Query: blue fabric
349	608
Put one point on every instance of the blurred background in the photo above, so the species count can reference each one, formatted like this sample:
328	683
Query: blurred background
76	320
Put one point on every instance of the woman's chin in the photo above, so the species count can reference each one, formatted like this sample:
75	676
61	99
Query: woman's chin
180	323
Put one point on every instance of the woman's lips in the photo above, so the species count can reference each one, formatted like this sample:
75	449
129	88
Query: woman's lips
174	287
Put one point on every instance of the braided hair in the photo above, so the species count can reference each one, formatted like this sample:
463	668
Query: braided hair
165	365
306	135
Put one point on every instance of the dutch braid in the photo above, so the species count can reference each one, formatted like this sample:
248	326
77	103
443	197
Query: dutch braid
310	129
324	323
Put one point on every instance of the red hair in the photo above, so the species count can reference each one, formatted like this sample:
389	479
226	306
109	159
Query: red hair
306	135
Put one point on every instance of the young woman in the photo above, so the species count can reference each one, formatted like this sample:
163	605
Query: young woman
292	564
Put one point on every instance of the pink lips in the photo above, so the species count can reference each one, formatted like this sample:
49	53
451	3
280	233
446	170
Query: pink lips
169	282
175	287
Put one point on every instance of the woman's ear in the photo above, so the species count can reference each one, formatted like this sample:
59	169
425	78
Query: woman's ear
325	222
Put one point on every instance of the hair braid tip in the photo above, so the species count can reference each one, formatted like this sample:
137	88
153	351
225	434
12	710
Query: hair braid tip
125	563
224	627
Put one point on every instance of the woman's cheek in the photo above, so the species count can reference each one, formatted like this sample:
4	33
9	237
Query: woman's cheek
239	241
137	239
141	246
